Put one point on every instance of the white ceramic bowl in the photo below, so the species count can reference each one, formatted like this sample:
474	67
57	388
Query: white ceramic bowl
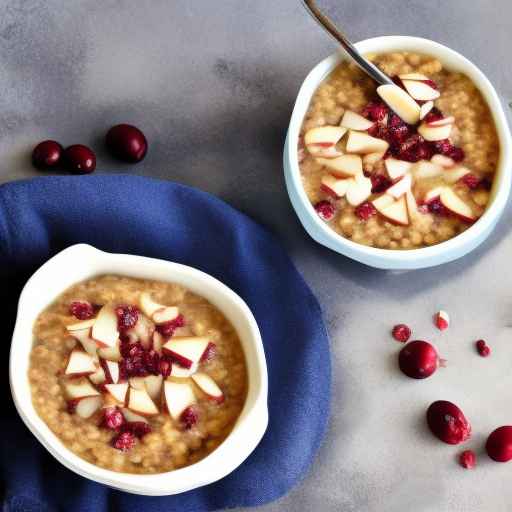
387	258
81	262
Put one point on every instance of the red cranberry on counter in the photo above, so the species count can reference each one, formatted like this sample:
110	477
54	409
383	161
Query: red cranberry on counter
127	143
47	154
79	159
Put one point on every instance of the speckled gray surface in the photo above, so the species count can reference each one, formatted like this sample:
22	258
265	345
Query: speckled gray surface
212	84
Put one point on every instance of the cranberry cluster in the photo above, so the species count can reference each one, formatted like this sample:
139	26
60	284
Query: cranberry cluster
127	431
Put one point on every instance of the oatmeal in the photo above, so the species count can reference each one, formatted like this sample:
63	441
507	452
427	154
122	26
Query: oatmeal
137	376
398	166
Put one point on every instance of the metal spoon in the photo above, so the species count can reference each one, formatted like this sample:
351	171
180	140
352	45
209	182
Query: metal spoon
370	69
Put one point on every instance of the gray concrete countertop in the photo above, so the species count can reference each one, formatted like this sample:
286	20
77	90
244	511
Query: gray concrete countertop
212	84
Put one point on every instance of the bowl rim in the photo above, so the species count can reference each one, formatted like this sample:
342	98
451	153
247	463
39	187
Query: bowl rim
249	427
393	258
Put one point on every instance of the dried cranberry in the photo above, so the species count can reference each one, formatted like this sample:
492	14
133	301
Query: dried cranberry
167	329
375	111
365	211
165	367
127	317
397	134
81	309
446	148
471	181
467	459
401	332
137	428
380	183
189	417
456	154
71	405
124	441
434	115
436	207
325	210
151	361
378	130
209	353
113	418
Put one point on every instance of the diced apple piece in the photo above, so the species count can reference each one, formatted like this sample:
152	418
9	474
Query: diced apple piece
381	202
158	341
424	169
165	315
412	205
111	371
433	193
142	331
443	161
442	122
110	353
178	397
98	377
89	345
87	406
80	389
420	91
355	121
335	187
400	102
140	402
186	350
118	391
209	387
452	202
413	76
453	175
80	363
137	382
425	109
79	326
361	142
359	191
148	305
324	152
433	133
131	417
397	168
104	331
344	166
183	373
324	136
400	187
373	158
153	385
396	212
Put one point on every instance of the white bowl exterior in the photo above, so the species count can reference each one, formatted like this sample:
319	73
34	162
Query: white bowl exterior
387	258
81	262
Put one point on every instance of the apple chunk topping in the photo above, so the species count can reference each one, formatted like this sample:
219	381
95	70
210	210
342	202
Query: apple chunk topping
354	121
396	212
80	389
80	363
400	187
79	326
453	203
334	187
118	391
434	133
179	396
360	142
359	191
397	168
159	313
425	109
84	337
323	137
420	90
104	331
186	350
140	402
400	102
344	166
209	387
86	407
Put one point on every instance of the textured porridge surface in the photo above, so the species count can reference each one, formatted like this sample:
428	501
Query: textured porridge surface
348	88
168	446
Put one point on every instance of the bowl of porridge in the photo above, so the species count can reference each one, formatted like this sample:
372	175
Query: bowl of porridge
399	176
141	374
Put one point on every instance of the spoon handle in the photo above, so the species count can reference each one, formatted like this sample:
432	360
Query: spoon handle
328	25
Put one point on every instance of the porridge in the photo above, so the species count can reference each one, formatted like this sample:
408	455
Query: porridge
137	376
399	166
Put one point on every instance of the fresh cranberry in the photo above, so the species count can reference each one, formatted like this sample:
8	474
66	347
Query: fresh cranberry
471	181
165	367
448	423
167	328
127	143
375	111
365	211
499	444
436	207
482	348
47	154
209	353
124	441
81	309
380	183
418	359
79	159
127	317
189	417
401	332
325	210
113	418
137	428
467	459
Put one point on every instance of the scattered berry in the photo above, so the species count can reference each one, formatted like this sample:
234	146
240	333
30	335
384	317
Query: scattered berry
375	111
448	423
401	332
79	159
442	320
47	154
467	459
436	207
165	367
167	328
482	348
127	317
365	211
499	444
325	210
137	428
471	181
189	417
418	359
127	143
124	441
113	418
380	183
81	310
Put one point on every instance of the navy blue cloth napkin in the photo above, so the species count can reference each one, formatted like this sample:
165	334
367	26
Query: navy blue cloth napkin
129	214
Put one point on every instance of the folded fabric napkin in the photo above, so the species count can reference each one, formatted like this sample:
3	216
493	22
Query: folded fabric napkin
129	214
